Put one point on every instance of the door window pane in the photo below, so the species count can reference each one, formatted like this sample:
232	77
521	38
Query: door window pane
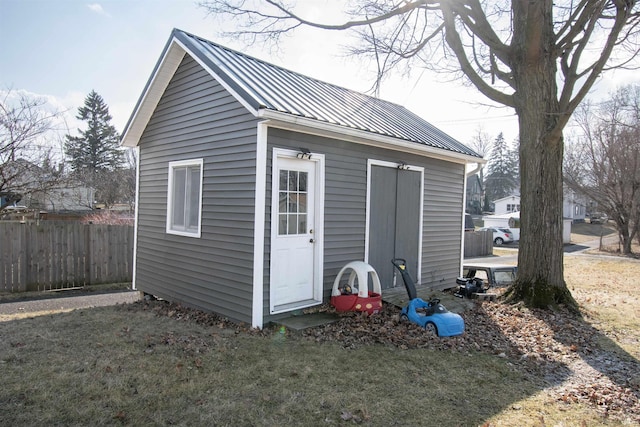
302	223
302	182
292	202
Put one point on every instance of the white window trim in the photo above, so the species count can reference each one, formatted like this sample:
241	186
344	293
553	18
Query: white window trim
172	166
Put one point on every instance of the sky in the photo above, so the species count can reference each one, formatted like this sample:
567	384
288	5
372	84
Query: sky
63	49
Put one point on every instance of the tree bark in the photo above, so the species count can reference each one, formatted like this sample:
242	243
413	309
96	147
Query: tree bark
540	257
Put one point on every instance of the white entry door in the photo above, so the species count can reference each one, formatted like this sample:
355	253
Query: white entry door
295	238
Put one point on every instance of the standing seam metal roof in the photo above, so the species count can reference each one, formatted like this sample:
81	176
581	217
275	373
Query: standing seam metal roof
267	86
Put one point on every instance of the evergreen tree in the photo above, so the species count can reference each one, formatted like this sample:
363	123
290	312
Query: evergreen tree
502	178
95	154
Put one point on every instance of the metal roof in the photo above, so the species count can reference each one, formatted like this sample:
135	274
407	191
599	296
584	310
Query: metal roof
267	86
267	89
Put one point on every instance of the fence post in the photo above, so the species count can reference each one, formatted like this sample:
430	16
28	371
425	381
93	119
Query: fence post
86	230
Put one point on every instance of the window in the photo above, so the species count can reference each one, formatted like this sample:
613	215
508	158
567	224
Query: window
292	207
184	198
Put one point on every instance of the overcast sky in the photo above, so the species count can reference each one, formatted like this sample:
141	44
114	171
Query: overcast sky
62	49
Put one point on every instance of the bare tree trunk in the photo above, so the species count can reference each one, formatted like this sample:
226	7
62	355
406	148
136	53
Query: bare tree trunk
540	259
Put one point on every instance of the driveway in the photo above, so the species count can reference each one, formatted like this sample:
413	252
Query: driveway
37	307
569	249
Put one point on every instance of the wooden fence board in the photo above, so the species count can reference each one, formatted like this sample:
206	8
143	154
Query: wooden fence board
57	255
478	243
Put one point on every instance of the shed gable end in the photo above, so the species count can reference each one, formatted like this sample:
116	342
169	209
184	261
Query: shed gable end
196	118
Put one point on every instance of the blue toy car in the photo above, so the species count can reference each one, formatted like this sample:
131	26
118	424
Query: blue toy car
433	317
430	315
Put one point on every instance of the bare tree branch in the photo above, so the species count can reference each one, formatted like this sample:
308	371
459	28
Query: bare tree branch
455	43
623	16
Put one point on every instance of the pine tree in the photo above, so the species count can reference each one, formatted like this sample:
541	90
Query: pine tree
95	154
502	178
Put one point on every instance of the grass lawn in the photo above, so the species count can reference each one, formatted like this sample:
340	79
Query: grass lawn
127	365
112	366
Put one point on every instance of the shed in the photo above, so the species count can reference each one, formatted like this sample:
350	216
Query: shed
256	185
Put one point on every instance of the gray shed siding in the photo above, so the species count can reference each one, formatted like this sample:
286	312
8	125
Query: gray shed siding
197	118
346	198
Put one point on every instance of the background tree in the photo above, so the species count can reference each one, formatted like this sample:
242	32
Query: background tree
516	53
604	162
95	155
26	154
129	177
501	179
481	144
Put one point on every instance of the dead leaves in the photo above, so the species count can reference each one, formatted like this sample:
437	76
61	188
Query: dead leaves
358	416
549	346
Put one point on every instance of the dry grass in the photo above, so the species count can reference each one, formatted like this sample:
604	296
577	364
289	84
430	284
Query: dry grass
605	287
113	366
586	232
128	366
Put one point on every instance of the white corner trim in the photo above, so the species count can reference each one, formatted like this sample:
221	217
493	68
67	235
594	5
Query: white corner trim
257	311
135	222
463	225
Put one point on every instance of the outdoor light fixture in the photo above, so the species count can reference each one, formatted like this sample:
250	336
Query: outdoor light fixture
304	154
403	166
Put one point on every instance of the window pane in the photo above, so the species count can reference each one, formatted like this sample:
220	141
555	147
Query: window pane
282	224
293	202
302	203
282	203
293	224
194	198
293	180
303	181
284	180
179	183
302	224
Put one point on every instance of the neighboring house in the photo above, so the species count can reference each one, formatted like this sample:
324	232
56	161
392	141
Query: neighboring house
506	205
41	189
475	192
71	198
574	205
512	221
256	185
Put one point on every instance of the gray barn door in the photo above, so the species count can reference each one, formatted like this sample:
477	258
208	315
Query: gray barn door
394	221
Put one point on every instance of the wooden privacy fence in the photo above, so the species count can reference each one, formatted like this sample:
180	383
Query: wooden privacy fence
478	243
57	255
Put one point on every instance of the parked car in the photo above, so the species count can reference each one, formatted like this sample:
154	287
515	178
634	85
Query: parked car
500	235
491	274
598	218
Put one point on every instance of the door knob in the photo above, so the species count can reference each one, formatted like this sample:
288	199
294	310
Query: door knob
312	240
